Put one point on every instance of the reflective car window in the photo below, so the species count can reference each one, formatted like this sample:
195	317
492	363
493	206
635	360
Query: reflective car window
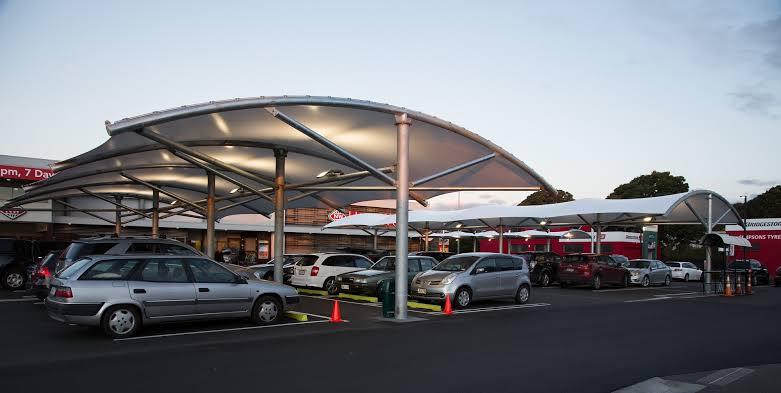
362	262
426	263
72	269
208	271
118	269
173	249
413	265
504	264
489	264
164	270
141	248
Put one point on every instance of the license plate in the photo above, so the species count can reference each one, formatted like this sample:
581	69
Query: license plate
422	291
345	287
569	269
301	272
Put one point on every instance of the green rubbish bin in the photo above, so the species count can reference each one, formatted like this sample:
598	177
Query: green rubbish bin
388	296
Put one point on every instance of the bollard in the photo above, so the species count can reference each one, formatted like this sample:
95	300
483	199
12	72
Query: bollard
387	294
728	287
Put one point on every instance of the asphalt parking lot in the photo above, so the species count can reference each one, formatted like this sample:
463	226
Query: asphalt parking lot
563	339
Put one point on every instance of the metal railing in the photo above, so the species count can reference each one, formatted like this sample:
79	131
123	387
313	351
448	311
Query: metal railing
727	282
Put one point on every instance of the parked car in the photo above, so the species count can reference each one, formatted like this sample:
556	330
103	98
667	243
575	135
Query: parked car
321	272
685	271
649	271
41	276
18	259
370	253
438	255
474	276
120	246
368	281
265	271
120	294
759	272
777	278
595	270
544	266
622	260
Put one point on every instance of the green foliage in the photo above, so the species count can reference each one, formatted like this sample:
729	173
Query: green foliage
767	204
543	197
659	184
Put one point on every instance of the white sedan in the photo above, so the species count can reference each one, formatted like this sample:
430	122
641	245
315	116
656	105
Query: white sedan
685	271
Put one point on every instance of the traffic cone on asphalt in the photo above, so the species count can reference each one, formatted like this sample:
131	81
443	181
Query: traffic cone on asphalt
739	289
749	288
448	307
728	287
336	316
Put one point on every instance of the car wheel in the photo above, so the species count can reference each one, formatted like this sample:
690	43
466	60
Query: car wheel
563	284
544	279
596	282
13	278
646	281
667	281
463	297
120	321
266	310
686	278
754	279
626	281
523	294
330	286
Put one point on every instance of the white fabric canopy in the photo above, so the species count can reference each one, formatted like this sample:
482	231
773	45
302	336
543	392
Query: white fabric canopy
728	240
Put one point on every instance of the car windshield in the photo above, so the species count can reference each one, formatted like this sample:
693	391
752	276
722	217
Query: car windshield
456	264
385	264
76	266
739	265
673	264
639	264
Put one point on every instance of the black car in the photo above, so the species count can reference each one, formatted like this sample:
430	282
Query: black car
759	272
19	257
40	277
438	255
543	266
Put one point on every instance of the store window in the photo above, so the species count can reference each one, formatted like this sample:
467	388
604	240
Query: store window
574	248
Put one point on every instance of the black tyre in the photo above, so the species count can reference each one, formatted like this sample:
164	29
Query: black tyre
686	278
563	284
523	294
13	278
462	298
544	279
330	286
596	282
626	281
646	281
667	280
266	310
121	321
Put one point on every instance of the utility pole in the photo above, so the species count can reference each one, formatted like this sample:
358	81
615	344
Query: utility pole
745	222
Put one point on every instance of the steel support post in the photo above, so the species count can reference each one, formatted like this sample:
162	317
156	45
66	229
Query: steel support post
402	213
599	238
376	234
118	216
708	249
155	214
279	214
501	237
210	211
474	244
547	245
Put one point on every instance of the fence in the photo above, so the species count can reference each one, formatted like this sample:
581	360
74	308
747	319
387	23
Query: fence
728	282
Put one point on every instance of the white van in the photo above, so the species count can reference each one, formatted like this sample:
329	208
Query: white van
321	272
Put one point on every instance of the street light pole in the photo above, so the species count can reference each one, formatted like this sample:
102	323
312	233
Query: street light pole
745	222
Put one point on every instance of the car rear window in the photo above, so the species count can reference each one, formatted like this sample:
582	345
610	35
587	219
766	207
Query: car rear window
639	264
576	259
307	260
6	246
79	249
72	269
673	264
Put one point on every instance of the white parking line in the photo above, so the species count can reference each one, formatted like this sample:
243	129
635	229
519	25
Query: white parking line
38	303
313	315
678	294
500	308
376	305
220	330
638	289
18	300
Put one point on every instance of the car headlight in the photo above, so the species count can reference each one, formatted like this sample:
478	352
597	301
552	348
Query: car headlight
360	280
448	279
339	278
635	274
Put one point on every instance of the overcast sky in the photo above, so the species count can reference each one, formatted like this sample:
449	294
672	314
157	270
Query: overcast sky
589	94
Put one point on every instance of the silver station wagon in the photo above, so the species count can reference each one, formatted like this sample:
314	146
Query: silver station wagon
120	294
474	276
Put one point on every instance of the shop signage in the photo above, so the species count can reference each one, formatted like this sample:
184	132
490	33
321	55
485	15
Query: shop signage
337	215
24	173
13	214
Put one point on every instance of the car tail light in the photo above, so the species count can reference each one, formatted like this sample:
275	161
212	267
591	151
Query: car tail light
315	270
63	292
43	272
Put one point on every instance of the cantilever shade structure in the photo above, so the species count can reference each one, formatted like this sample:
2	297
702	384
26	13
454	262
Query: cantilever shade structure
266	154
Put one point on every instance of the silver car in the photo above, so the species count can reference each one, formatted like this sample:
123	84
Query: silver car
474	276
649	271
119	294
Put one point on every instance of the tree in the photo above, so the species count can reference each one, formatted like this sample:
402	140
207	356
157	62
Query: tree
660	184
544	197
655	184
767	204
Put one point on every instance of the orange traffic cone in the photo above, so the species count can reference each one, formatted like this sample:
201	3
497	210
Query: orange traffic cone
448	307
749	288
336	316
739	289
728	287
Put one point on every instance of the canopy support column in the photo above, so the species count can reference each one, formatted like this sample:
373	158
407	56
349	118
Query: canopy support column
599	238
402	213
374	238
210	212
279	214
547	245
474	244
155	214
118	216
708	249
426	237
501	237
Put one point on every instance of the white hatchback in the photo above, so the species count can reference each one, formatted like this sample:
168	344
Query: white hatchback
320	270
685	271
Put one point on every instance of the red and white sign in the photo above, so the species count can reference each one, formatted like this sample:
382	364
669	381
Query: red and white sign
24	173
13	214
337	215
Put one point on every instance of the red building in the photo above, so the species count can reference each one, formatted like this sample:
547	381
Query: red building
628	244
765	237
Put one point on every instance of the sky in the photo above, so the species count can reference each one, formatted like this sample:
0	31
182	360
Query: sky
589	94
